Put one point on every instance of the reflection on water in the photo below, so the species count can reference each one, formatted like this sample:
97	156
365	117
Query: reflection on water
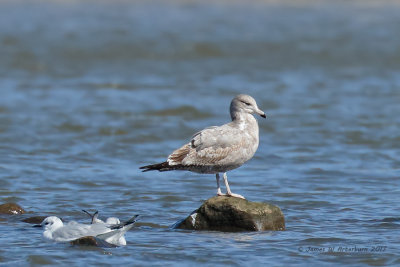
90	91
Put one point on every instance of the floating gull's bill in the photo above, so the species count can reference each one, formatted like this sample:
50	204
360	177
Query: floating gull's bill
55	230
219	149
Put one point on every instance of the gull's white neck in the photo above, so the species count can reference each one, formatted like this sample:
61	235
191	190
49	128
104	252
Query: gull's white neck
48	233
249	125
246	121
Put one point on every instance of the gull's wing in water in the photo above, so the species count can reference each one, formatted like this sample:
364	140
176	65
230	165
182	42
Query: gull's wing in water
73	231
116	235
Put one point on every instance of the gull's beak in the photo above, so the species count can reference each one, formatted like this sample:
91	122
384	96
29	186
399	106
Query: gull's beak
261	113
37	225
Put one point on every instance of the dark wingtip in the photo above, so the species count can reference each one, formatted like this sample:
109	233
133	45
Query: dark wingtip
145	169
131	220
164	166
128	222
264	116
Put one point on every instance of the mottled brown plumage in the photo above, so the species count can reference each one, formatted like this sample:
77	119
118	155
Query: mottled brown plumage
219	148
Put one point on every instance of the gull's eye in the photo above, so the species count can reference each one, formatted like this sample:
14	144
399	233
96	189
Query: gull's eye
247	103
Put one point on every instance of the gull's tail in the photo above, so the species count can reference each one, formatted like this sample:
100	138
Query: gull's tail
162	167
174	162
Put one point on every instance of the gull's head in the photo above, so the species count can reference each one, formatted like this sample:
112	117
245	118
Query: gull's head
113	220
51	223
245	104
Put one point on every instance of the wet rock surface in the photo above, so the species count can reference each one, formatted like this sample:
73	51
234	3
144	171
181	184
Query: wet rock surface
34	219
230	214
11	208
92	241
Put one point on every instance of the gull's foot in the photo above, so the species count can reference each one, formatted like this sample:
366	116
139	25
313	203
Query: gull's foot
219	193
235	195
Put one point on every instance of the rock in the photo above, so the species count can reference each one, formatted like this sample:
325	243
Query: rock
92	241
231	214
11	208
34	219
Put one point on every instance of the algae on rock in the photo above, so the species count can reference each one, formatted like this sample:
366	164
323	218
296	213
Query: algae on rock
230	214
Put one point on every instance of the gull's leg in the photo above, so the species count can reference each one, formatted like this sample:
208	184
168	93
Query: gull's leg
228	190
219	193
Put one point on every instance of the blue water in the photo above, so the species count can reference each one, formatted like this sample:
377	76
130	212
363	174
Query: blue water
92	90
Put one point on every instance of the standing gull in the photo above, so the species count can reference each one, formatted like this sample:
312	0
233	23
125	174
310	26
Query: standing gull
219	149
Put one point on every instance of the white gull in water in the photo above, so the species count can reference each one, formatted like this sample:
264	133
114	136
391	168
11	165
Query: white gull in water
110	221
55	230
219	149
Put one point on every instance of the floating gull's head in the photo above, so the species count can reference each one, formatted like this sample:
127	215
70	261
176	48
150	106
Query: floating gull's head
51	223
95	218
244	104
113	220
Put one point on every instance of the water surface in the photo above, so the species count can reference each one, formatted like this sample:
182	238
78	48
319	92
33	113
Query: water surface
92	90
